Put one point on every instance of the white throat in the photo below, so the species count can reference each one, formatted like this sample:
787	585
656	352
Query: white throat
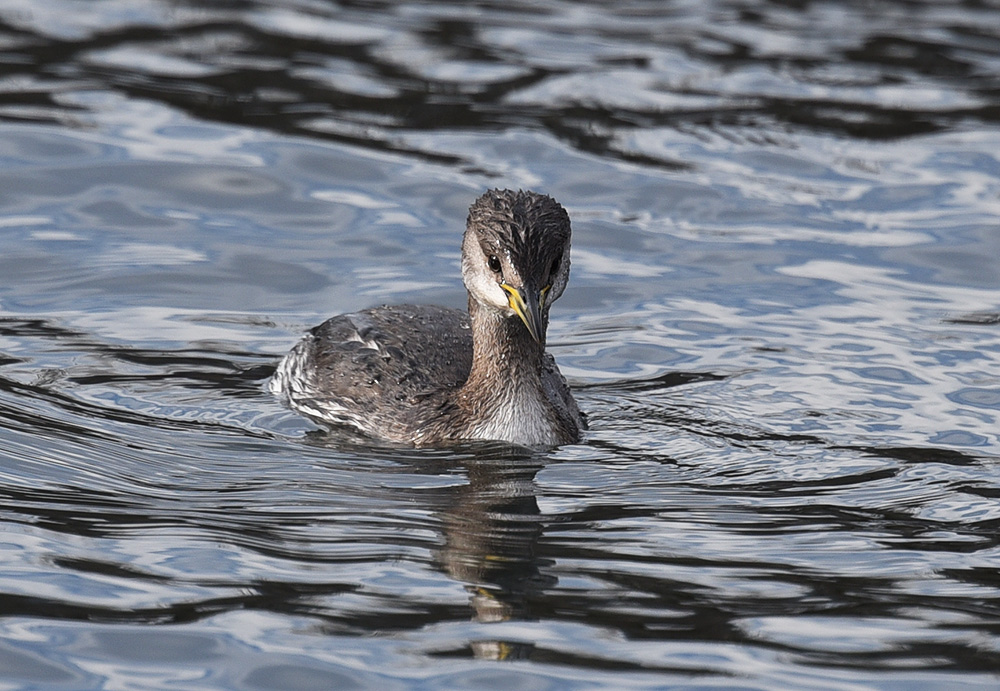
520	416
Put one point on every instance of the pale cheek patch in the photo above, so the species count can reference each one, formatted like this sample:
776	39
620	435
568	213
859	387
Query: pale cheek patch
490	292
480	281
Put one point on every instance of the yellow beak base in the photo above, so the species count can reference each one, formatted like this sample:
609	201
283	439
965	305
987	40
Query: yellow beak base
526	304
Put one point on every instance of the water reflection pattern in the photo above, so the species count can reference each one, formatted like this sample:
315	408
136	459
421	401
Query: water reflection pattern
783	326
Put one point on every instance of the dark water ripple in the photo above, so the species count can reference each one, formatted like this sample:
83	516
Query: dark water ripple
822	565
369	73
782	325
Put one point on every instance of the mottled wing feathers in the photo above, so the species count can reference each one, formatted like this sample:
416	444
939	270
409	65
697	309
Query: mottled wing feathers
378	369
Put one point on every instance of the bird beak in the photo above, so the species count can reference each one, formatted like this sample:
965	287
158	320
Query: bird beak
526	302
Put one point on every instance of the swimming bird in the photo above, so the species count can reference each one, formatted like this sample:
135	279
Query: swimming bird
431	376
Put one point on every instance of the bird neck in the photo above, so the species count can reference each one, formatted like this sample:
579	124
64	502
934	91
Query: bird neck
503	352
506	396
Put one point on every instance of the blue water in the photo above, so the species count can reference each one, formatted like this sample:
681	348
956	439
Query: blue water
783	323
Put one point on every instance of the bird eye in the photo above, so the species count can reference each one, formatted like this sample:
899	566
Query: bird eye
494	263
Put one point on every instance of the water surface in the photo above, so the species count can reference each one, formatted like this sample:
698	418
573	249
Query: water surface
782	322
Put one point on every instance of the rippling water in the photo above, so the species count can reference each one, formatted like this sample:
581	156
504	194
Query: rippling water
783	323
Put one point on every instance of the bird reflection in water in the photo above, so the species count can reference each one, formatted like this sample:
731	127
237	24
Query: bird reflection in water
491	540
491	529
